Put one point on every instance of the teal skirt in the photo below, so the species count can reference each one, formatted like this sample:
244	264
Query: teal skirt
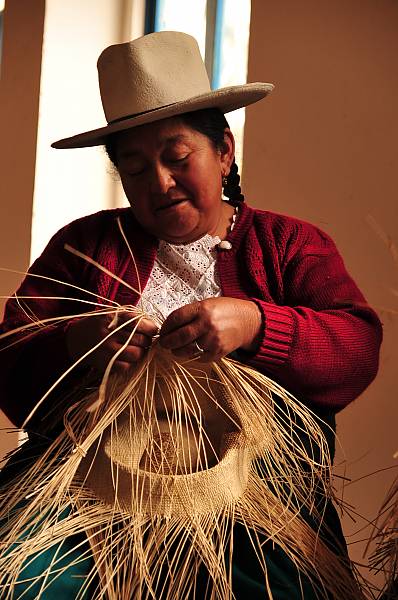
44	575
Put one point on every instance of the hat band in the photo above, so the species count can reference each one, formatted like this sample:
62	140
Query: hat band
144	112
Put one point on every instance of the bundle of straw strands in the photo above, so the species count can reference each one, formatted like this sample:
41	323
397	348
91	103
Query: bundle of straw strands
385	557
154	469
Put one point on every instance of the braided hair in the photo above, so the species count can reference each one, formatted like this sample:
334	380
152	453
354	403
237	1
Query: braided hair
232	188
212	123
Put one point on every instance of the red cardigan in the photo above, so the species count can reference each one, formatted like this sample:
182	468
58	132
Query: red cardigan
320	339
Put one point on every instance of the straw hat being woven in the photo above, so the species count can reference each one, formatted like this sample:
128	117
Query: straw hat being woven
156	457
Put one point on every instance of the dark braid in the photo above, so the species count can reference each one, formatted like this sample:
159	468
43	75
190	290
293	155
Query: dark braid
232	190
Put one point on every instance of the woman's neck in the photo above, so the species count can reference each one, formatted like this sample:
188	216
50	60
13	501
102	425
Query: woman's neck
223	225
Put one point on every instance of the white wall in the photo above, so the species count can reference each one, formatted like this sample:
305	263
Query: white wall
72	183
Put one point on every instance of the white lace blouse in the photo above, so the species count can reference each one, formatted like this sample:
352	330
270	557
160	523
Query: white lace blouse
182	273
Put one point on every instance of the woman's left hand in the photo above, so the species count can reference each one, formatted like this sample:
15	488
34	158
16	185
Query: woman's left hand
218	326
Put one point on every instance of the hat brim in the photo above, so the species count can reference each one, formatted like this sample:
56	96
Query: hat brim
226	99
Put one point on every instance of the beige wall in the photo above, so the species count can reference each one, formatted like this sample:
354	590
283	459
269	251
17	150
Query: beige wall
19	110
324	148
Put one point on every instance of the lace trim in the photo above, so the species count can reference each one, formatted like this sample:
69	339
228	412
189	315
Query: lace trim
182	274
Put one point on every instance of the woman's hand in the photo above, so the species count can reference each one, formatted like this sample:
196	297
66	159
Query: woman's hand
217	325
85	333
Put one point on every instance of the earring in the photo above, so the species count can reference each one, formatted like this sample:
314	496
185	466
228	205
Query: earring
224	181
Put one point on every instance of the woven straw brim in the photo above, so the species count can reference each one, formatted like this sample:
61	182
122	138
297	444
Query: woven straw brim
171	482
226	99
136	491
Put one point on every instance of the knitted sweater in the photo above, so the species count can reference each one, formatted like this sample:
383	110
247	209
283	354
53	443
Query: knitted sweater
319	338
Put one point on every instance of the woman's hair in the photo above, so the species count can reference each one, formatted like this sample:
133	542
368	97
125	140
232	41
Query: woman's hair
210	122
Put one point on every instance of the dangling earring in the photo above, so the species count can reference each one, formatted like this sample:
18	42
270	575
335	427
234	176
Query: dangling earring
224	181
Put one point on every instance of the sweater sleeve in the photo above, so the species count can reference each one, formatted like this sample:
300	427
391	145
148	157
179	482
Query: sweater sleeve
323	342
32	360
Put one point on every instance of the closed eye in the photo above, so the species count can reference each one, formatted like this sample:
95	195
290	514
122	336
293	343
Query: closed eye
177	159
135	173
134	170
132	166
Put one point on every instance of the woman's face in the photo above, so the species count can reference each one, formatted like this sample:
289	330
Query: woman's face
172	175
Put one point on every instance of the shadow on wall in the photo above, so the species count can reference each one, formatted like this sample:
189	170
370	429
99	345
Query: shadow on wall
8	437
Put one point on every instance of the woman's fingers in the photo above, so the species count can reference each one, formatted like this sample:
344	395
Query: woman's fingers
130	341
136	339
132	323
197	323
215	325
129	354
182	327
191	331
199	348
110	335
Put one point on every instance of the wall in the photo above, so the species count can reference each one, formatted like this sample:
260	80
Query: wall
323	147
71	183
49	90
19	113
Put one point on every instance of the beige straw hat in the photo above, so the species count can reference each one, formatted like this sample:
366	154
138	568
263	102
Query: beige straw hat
154	77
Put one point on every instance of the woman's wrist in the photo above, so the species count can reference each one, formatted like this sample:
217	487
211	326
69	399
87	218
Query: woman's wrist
253	326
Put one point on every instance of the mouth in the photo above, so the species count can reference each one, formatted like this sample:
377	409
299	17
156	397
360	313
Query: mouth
171	204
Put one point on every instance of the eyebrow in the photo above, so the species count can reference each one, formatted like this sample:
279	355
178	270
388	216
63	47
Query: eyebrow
167	141
175	138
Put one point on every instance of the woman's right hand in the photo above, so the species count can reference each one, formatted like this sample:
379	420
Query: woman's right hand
84	333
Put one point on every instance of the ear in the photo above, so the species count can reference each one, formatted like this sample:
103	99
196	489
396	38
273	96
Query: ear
227	152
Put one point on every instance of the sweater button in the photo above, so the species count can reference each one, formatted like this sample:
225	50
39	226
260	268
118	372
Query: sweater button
225	245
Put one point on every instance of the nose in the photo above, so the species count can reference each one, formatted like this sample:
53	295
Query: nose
161	179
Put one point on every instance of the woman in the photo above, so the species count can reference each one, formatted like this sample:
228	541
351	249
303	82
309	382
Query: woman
214	277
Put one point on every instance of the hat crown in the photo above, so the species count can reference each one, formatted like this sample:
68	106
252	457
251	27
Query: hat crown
149	73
